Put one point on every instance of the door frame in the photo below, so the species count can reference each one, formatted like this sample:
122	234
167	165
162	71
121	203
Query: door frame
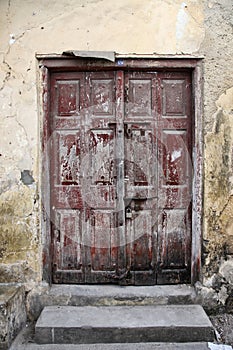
56	63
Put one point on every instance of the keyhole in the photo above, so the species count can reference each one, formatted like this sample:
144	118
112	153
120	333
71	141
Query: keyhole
128	213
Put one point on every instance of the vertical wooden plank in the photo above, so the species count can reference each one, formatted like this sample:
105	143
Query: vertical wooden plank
197	189
140	176
175	178
101	241
100	177
45	176
66	151
120	170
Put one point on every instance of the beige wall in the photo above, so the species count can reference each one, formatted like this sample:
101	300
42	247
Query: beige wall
195	27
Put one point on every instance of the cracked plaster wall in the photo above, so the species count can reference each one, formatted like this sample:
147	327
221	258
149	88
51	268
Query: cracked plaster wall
130	26
217	290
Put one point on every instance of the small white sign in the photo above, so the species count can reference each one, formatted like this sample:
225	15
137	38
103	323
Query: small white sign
213	346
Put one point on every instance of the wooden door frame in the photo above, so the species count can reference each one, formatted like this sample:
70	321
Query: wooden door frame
57	63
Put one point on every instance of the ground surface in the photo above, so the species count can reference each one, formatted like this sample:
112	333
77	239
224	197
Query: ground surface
224	325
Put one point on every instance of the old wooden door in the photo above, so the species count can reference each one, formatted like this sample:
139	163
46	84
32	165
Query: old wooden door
120	177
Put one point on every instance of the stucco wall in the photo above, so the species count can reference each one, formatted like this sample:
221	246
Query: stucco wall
127	26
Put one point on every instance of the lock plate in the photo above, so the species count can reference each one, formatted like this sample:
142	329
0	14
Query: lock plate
128	213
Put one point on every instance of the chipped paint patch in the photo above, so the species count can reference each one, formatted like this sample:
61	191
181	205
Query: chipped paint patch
176	154
12	39
189	28
182	21
218	208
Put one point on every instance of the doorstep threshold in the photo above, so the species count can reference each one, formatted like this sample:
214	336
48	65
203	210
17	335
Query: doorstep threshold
166	294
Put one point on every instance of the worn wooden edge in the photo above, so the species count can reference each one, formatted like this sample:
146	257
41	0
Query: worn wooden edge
60	62
197	208
44	176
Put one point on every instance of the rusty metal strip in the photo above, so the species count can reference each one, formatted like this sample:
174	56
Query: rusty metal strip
106	55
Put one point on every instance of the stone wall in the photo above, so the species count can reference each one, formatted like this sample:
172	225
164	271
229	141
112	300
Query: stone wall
12	313
164	27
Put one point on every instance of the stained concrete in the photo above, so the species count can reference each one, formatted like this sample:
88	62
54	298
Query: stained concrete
111	295
25	341
123	324
132	346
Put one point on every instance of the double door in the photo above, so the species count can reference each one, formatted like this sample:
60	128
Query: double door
120	177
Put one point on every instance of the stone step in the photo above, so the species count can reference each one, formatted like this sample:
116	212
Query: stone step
123	324
129	346
108	295
25	341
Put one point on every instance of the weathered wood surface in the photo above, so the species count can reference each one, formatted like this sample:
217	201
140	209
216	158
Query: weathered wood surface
121	175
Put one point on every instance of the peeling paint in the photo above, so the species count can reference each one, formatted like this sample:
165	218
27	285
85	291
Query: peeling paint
176	154
219	203
219	199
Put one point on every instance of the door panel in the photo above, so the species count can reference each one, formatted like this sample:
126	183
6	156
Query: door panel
69	257
174	157
100	169
120	176
140	176
174	189
139	96
173	97
141	247
140	162
99	254
65	179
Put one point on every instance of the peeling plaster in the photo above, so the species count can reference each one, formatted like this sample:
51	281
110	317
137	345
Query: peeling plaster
219	200
218	51
190	31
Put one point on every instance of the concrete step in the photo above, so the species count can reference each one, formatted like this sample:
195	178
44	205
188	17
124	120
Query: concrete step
130	346
123	324
25	341
108	295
